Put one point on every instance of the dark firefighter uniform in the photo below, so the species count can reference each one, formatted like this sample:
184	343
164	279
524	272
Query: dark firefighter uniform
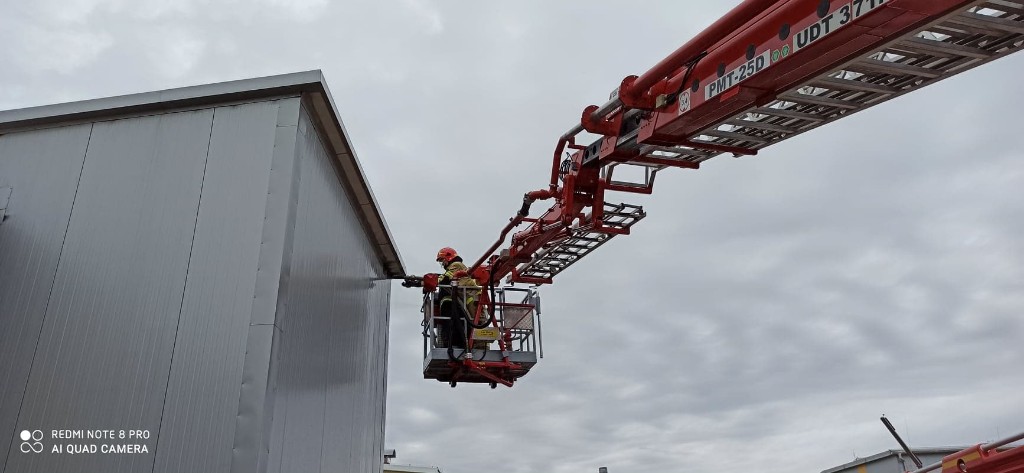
453	326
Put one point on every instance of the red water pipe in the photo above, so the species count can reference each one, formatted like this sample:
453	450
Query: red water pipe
719	30
528	199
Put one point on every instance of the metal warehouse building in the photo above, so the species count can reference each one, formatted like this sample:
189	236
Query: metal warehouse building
894	461
204	266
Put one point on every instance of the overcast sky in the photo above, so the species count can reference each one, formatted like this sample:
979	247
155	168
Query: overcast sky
763	316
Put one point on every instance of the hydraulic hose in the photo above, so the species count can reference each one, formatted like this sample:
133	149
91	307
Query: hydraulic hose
528	199
469	317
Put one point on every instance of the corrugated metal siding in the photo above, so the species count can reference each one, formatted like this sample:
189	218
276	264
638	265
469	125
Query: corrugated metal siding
256	400
198	430
216	286
106	341
891	462
41	169
329	412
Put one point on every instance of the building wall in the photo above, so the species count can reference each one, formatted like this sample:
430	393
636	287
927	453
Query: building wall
331	359
219	309
43	169
148	279
101	356
895	462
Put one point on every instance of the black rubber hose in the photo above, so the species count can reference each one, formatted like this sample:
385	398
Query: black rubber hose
450	333
469	317
490	290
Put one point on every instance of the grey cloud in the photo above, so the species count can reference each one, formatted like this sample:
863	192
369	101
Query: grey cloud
768	308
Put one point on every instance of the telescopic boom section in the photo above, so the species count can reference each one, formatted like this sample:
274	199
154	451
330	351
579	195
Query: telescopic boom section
767	71
996	457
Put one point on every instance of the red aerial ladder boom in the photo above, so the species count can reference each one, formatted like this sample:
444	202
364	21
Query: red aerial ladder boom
995	457
765	72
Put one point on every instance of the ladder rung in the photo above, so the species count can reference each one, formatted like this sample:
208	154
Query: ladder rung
1004	6
818	100
658	162
981	31
962	32
683	151
566	248
989	22
729	135
646	161
958	32
628	184
569	249
942	47
895	68
854	85
582	247
744	149
781	112
556	258
580	241
610	217
761	125
623	219
562	252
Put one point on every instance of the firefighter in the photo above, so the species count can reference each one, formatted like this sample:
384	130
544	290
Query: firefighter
453	325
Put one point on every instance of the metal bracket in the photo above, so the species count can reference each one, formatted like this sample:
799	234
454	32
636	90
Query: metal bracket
5	198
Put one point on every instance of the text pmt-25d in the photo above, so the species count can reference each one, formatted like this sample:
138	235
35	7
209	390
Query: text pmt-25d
765	72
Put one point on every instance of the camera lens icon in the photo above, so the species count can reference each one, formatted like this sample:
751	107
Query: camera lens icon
30	441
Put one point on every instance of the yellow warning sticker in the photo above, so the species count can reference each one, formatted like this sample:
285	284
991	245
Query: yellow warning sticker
489	333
